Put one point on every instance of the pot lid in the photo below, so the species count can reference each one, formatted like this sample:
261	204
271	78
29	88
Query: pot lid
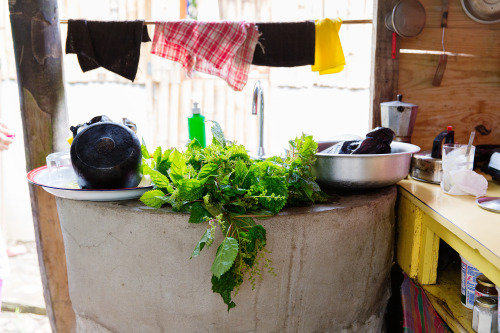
398	103
104	145
482	11
426	155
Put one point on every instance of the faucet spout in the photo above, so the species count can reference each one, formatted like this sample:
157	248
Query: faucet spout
258	93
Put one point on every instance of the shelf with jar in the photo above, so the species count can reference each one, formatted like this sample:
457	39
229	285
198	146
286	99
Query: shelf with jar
428	219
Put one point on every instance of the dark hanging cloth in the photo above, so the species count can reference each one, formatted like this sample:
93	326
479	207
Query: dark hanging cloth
113	45
286	44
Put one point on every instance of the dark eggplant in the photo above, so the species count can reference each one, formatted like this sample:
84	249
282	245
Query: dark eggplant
106	155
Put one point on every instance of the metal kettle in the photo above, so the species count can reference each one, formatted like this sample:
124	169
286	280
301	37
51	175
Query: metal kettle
105	155
427	165
399	117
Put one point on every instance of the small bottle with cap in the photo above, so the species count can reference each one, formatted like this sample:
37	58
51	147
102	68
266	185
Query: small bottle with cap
485	287
484	315
196	126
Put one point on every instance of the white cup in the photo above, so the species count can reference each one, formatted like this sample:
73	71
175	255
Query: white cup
60	168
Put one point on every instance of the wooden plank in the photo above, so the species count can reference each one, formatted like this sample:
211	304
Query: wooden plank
451	104
409	236
37	48
429	252
445	298
384	78
474	256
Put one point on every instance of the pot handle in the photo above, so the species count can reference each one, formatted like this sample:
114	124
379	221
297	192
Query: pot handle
448	136
400	99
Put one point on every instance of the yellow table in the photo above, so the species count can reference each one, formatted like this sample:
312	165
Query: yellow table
424	216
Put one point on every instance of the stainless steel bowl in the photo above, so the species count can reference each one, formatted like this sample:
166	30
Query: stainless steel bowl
365	170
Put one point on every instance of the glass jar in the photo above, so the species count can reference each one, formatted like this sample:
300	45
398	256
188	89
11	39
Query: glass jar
484	315
485	287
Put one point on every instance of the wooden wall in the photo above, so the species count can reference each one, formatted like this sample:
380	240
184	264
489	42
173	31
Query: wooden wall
469	95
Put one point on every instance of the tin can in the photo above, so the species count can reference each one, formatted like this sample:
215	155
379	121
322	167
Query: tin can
498	291
469	275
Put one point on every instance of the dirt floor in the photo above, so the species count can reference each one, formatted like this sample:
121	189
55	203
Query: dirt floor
23	306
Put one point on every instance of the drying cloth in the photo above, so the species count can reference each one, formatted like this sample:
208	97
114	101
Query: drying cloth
113	45
224	49
285	44
418	313
329	57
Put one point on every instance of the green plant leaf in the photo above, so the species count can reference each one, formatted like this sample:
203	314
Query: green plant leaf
218	134
158	179
189	189
224	259
154	198
254	241
257	233
195	145
144	150
240	172
165	162
224	286
206	238
198	213
178	168
206	171
157	155
243	222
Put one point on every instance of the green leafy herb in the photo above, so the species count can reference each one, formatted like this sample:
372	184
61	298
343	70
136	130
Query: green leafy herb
198	213
224	259
222	186
206	239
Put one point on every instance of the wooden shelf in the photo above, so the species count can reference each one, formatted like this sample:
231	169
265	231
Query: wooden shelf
427	217
445	298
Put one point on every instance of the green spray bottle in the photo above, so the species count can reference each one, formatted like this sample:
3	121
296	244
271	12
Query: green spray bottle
196	126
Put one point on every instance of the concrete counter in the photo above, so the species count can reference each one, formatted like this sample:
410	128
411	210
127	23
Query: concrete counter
129	269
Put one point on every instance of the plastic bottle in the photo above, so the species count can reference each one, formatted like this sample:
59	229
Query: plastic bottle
196	126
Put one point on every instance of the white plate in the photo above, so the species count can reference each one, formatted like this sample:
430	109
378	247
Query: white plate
489	203
40	177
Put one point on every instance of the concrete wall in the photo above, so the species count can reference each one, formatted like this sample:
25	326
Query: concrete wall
129	269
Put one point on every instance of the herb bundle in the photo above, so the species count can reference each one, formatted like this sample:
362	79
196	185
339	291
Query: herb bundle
220	185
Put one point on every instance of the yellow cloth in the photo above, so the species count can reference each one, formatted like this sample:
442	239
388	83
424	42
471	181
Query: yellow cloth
328	54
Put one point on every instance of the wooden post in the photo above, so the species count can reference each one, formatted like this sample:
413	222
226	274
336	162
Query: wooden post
37	49
385	70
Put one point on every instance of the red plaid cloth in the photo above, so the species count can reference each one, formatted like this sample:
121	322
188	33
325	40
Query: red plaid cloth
224	49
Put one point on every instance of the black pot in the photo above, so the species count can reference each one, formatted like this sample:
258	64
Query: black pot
106	155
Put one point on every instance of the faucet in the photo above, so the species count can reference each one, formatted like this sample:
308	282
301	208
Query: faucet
257	91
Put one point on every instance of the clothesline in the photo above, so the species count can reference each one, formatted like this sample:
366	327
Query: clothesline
343	22
115	45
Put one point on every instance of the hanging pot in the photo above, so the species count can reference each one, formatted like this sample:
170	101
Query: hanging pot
105	155
482	11
407	18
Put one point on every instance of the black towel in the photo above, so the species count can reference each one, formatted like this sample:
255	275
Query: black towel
285	44
113	45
